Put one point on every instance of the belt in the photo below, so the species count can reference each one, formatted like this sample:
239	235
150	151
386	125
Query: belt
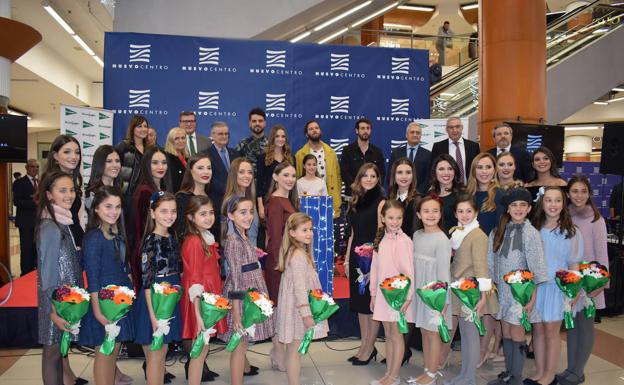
167	274
250	267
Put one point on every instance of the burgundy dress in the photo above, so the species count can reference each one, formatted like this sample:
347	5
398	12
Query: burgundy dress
136	223
277	210
199	268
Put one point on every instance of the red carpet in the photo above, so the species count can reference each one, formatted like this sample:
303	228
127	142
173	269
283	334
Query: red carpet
24	291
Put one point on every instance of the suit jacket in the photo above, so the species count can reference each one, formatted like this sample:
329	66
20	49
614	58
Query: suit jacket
422	163
203	142
471	148
219	174
523	162
26	213
176	170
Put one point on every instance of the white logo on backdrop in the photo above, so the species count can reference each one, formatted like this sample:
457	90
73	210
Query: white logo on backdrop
400	65
339	62
397	143
209	56
275	59
400	107
140	53
276	102
339	104
208	100
139	98
338	145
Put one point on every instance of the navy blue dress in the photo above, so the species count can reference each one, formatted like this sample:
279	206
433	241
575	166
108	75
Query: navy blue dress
105	264
159	257
489	219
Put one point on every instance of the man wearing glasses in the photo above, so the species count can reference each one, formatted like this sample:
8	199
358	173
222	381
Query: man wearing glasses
194	142
462	150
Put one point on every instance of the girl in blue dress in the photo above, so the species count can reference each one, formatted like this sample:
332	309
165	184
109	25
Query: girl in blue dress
104	259
563	250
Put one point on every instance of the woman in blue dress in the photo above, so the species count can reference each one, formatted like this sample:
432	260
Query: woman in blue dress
104	259
563	249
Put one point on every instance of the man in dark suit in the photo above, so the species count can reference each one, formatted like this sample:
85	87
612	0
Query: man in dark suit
462	150
221	156
503	135
26	215
194	142
420	156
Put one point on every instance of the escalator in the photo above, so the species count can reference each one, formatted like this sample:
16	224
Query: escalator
581	45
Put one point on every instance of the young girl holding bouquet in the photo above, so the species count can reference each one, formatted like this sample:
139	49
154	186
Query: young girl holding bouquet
298	277
432	261
159	263
470	260
200	260
514	244
594	231
563	248
104	259
245	273
58	264
393	256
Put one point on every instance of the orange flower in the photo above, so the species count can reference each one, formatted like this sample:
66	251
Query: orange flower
318	293
584	266
527	275
572	278
254	295
122	298
112	287
73	298
222	303
467	285
170	290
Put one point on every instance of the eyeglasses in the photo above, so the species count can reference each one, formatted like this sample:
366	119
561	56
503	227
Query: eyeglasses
455	126
188	121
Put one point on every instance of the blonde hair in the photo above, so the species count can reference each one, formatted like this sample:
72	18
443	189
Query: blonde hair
290	244
489	204
169	146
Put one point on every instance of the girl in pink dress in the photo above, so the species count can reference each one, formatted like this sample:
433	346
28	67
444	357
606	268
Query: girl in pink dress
393	256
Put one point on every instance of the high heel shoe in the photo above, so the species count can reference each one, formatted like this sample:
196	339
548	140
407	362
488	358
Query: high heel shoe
352	358
167	378
483	360
206	376
358	362
253	370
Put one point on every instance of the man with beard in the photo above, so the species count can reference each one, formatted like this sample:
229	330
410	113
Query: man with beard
359	152
255	145
326	162
503	134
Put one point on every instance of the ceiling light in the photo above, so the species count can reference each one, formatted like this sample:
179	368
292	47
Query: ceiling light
12	111
601	103
59	19
397	26
555	13
342	15
601	30
375	14
615	100
617	89
98	60
422	8
299	37
83	45
581	128
333	36
466	7
447	94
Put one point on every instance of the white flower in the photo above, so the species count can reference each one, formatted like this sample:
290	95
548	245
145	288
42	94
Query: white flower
399	283
210	298
127	291
83	293
328	299
516	277
158	288
265	305
455	285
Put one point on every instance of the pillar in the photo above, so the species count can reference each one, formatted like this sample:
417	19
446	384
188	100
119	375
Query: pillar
512	71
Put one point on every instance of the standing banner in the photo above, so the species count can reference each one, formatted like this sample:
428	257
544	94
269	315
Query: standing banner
159	76
92	127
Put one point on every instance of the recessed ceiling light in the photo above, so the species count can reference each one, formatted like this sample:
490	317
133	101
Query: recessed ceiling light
466	7
342	15
333	36
301	36
375	14
422	8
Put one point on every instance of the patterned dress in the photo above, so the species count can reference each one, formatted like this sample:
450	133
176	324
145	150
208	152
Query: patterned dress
240	255
251	148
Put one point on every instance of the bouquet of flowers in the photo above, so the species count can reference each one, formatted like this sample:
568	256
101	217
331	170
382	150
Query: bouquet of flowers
257	307
115	302
213	308
165	296
570	282
467	290
364	260
71	304
433	295
322	306
522	287
595	276
395	290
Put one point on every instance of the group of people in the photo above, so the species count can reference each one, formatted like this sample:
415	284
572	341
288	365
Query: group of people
195	211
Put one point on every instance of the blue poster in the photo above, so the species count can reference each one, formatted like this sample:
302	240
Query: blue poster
159	76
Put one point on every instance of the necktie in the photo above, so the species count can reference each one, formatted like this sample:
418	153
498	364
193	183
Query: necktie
224	157
460	162
500	151
411	155
35	184
192	148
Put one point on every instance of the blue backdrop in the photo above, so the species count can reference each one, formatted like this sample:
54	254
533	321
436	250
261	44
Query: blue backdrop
222	79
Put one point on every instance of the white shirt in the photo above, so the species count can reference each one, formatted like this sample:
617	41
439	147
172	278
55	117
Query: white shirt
499	150
320	162
462	150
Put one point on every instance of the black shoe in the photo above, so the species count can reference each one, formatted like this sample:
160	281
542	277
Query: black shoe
528	381
206	376
406	356
358	362
352	358
253	370
80	381
209	372
168	377
530	355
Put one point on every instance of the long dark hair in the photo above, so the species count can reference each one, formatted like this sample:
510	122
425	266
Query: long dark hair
136	120
583	179
270	150
190	228
381	230
393	187
553	163
231	186
293	197
357	191
150	223
564	223
45	204
97	169
52	164
433	181
188	183
95	222
145	171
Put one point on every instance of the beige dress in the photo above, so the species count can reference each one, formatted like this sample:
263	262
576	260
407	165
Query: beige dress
471	261
298	279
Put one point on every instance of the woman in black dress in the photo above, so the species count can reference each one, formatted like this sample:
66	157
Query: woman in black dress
367	198
402	187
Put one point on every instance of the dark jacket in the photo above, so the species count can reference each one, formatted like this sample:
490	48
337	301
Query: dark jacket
523	162
176	170
26	213
352	159
130	166
471	148
219	174
422	163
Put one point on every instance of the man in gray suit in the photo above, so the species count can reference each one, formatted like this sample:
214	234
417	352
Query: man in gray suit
194	142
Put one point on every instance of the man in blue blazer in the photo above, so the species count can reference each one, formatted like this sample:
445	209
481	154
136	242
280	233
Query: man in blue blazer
503	135
221	156
417	154
26	215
